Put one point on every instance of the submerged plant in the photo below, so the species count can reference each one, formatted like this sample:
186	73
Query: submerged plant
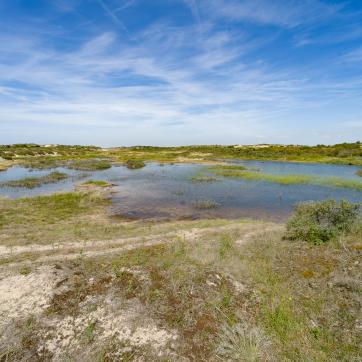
319	222
206	204
200	178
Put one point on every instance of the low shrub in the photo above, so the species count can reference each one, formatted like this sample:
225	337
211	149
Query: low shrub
319	222
134	164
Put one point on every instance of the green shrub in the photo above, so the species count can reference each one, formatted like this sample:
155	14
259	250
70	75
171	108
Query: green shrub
134	164
7	157
319	222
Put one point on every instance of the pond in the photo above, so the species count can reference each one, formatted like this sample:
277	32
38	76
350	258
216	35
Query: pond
167	192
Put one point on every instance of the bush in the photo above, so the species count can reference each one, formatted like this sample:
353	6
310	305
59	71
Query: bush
319	222
134	164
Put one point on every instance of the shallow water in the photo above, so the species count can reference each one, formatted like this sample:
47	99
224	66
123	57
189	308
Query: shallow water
166	192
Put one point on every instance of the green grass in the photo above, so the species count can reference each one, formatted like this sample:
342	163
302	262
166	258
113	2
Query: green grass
43	210
98	183
228	167
135	164
77	217
89	164
292	179
305	310
32	182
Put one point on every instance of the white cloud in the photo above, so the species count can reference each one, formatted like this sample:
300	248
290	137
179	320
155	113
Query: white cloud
168	86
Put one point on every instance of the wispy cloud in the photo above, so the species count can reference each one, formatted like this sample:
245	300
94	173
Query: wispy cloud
276	12
164	85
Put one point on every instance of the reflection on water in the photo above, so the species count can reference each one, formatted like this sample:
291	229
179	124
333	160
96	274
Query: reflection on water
166	192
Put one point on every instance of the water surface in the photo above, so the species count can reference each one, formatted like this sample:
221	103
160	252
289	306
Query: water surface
166	191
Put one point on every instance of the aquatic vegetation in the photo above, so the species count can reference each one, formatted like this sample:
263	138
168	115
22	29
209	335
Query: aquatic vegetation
98	183
32	182
89	164
359	173
42	163
135	164
319	222
205	204
293	179
200	178
228	167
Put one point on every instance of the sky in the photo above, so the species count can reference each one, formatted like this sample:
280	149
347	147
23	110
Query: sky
180	72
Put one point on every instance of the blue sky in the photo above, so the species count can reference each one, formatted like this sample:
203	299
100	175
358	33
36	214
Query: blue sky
172	72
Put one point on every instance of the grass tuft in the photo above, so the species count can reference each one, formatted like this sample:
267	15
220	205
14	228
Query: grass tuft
32	182
98	183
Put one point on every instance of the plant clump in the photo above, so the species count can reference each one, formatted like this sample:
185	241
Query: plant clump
32	182
319	222
359	173
89	165
135	164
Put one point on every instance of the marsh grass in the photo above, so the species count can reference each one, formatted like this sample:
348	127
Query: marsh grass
292	179
32	182
98	183
228	168
135	164
76	216
88	164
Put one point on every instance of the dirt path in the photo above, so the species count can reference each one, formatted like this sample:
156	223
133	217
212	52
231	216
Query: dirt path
73	250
